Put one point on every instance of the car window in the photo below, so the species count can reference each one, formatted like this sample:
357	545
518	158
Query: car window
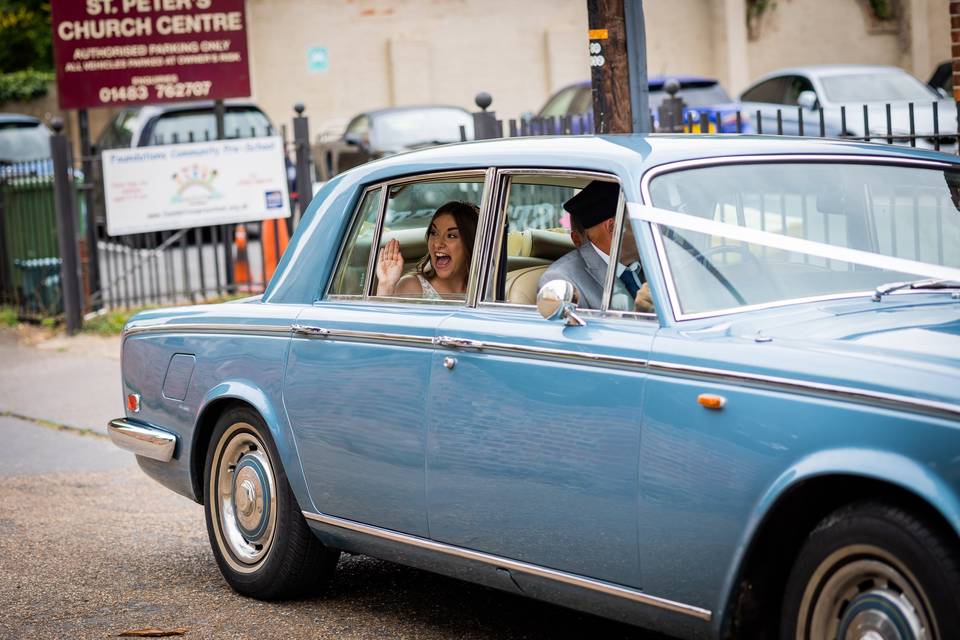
413	128
629	292
200	124
768	91
876	87
433	253
796	85
535	231
350	278
559	105
891	211
21	141
359	126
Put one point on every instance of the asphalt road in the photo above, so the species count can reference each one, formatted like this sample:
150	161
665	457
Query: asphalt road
91	547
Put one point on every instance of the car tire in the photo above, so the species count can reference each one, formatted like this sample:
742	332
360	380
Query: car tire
873	567
259	537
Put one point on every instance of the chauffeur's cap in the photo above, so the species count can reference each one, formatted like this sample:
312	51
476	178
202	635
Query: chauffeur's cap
595	203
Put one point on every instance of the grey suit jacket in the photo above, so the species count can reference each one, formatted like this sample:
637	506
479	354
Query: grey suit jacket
584	269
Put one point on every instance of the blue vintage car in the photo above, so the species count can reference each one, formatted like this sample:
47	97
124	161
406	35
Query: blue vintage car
772	450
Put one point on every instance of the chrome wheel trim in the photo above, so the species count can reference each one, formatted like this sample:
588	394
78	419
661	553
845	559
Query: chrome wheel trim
243	498
861	592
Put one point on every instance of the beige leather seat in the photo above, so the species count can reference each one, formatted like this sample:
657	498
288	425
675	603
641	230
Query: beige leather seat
540	246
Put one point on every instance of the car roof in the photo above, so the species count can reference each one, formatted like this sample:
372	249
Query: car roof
151	110
626	153
822	70
19	117
654	82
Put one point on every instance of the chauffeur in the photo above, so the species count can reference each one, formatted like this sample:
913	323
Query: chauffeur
594	210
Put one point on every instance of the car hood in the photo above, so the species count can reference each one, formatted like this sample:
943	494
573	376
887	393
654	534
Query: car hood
908	345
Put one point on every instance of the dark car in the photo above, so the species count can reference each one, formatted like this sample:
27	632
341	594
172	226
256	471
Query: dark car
383	132
942	79
23	138
701	95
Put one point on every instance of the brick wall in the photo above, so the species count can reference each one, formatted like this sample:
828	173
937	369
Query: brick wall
955	41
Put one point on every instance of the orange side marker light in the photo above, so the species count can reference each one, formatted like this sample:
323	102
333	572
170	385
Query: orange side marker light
711	401
133	402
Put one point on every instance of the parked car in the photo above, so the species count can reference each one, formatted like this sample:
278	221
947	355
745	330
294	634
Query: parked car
382	132
701	95
804	90
942	79
772	452
22	139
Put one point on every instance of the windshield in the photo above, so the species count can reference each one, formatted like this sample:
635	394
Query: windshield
891	218
694	97
875	87
21	141
398	130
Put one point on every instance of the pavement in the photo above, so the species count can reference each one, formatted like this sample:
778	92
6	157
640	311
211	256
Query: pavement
66	381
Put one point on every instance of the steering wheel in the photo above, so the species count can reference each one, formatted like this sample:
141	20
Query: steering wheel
747	257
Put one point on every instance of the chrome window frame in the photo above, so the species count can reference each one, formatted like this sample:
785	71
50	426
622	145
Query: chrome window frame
448	176
504	180
781	158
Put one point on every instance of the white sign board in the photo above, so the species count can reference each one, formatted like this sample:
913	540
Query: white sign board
194	185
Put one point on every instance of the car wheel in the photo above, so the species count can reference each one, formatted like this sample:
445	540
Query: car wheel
259	537
873	571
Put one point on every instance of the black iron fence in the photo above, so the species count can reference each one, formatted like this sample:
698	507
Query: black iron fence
194	264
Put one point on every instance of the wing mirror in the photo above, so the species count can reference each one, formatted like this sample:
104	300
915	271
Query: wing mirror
557	300
355	140
808	100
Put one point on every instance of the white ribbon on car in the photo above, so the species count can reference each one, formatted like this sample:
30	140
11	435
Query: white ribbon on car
686	221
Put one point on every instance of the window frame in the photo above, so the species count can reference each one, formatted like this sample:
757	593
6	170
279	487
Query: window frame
783	158
476	264
495	238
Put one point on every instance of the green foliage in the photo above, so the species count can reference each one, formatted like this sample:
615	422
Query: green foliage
884	9
8	317
24	85
108	324
26	40
49	323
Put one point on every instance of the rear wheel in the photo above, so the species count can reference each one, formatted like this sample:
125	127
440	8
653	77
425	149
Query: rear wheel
259	537
873	572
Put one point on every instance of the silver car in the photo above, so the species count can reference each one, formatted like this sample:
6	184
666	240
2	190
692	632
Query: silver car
799	93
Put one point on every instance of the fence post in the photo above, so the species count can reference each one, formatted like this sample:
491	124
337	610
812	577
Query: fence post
670	111
485	122
93	253
66	227
301	140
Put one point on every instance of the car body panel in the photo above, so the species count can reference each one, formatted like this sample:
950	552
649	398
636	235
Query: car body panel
494	466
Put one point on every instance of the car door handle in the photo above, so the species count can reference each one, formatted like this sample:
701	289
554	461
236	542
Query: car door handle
308	330
457	343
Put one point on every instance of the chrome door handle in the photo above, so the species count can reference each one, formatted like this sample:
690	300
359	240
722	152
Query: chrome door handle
457	343
310	331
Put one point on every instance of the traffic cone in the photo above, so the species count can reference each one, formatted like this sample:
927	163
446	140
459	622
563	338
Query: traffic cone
241	267
274	238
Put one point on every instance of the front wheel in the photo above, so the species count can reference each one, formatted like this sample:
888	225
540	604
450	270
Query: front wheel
258	534
876	572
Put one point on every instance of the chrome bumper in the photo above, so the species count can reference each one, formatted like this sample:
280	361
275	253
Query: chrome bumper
142	440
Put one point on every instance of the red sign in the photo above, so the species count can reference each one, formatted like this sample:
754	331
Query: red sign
114	52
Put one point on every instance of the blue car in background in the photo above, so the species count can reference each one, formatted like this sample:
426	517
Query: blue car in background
701	95
770	450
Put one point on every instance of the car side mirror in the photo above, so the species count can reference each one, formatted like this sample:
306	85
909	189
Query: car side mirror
808	100
557	300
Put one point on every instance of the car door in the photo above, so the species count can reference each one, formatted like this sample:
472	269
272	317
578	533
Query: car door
359	367
534	427
762	102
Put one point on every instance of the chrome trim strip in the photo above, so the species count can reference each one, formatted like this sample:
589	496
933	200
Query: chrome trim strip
571	579
481	248
142	440
576	357
891	400
212	327
648	177
367	336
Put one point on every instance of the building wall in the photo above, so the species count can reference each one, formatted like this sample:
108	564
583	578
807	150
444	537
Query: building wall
400	52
